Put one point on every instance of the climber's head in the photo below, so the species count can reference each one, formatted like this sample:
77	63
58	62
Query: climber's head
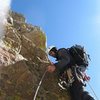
52	50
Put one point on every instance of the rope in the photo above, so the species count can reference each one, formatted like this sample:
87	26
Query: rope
39	85
92	90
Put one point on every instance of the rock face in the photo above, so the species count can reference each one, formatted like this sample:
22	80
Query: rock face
23	61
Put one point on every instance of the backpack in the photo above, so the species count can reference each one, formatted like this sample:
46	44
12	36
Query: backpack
79	55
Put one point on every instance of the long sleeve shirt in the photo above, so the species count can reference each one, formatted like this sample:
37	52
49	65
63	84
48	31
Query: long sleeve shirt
63	59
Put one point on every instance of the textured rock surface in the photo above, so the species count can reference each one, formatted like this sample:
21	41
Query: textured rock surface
23	61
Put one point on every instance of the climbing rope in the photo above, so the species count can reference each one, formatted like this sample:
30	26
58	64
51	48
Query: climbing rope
92	90
39	85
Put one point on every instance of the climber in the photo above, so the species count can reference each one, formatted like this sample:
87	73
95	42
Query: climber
62	56
68	57
64	62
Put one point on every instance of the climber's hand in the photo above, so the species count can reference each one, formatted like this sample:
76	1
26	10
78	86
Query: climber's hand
51	68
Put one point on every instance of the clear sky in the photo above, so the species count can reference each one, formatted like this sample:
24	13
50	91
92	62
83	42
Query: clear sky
68	22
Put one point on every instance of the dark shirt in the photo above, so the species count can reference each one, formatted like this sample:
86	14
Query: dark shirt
63	59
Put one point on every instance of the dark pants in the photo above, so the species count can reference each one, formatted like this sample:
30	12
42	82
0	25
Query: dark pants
77	92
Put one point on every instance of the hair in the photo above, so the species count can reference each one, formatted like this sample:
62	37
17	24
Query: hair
54	49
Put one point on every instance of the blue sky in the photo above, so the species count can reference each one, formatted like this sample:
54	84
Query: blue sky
68	22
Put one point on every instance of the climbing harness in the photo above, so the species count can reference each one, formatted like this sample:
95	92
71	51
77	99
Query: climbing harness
68	77
66	80
39	85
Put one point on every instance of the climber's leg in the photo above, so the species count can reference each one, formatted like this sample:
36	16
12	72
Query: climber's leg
86	96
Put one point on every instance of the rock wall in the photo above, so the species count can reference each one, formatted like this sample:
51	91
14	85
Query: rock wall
23	61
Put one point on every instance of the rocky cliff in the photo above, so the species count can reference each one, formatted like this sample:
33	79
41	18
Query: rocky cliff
23	61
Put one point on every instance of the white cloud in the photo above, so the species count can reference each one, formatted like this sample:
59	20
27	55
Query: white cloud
4	8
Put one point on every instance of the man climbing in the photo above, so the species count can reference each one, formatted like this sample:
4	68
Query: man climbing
64	62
